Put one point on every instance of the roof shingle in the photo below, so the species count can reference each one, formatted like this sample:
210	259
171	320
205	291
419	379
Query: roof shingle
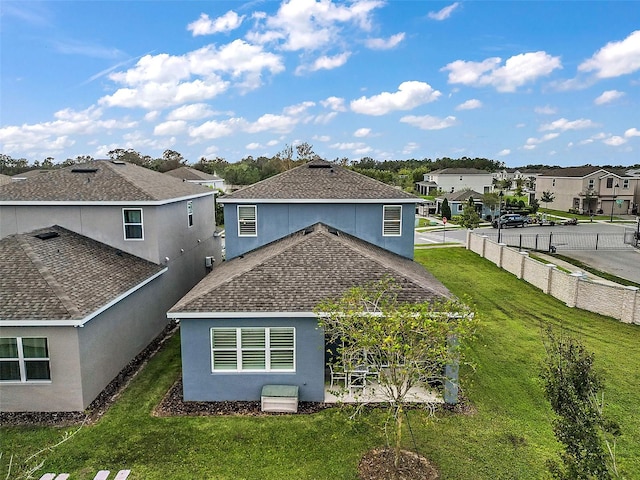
64	277
296	273
100	181
319	180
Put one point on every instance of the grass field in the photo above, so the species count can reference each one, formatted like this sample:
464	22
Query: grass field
508	437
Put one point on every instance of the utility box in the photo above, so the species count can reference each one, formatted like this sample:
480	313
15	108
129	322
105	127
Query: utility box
279	398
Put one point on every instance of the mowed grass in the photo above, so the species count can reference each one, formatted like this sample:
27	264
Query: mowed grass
509	435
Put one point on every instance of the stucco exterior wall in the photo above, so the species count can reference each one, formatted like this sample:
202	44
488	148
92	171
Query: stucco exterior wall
64	391
201	384
275	221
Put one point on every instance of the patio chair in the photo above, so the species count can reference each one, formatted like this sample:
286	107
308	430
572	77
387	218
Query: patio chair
337	376
357	379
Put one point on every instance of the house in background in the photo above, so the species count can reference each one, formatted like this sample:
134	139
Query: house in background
458	200
588	188
296	239
5	179
144	216
193	175
455	179
319	191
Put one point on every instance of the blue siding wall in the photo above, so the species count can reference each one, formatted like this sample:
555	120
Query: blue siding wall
278	220
201	384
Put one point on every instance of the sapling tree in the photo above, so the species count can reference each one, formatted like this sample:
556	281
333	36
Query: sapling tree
572	387
407	344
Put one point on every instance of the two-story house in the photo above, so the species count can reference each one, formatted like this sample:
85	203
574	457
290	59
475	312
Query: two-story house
450	180
292	241
590	189
192	175
91	258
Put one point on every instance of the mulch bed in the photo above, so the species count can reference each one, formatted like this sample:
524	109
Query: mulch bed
379	465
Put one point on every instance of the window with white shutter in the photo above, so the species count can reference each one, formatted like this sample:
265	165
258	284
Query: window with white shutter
247	225
392	220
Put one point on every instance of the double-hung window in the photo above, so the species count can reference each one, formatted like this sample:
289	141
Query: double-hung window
24	359
392	220
132	222
247	224
190	213
253	349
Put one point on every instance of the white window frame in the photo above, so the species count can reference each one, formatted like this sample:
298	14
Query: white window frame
239	350
189	213
125	224
388	222
245	223
22	361
625	184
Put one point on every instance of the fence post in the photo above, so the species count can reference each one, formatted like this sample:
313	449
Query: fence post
550	240
525	255
597	238
629	305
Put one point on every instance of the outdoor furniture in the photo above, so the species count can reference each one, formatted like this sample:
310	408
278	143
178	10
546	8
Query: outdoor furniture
337	376
357	378
279	398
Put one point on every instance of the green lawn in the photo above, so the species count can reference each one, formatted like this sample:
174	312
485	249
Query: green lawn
508	437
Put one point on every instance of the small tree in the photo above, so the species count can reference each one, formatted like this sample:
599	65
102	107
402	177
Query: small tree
407	344
491	200
446	209
470	217
547	197
571	385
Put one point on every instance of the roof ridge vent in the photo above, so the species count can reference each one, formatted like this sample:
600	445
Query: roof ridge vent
47	235
84	170
118	162
320	165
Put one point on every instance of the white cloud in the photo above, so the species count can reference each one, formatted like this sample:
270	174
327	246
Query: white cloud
546	110
212	129
195	111
409	148
470	105
632	132
334	103
503	153
325	118
544	138
608	97
385	43
517	71
312	25
362	132
298	109
172	127
348	145
563	125
253	146
614	141
205	26
273	123
427	122
322	138
615	58
444	13
409	95
325	63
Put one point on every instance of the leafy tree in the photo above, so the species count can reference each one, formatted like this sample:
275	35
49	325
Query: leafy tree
469	217
572	385
547	197
491	200
446	209
534	205
408	344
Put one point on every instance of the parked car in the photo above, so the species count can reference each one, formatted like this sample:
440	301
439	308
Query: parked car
511	220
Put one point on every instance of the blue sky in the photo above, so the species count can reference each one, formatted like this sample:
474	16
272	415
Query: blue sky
544	82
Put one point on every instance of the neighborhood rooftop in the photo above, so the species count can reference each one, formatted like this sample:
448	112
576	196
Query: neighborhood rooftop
188	173
54	274
297	272
581	171
320	180
100	181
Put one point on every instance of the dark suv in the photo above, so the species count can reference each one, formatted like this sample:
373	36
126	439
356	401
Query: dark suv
511	220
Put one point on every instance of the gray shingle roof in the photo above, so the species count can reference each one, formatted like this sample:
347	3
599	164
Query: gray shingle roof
578	171
188	173
296	273
462	195
100	181
66	277
5	179
460	171
318	180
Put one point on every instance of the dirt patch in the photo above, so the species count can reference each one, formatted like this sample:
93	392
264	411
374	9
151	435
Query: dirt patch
379	465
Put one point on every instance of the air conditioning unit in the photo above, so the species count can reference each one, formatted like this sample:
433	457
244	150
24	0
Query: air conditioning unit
208	261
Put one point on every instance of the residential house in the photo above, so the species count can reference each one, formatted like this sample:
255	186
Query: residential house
314	232
590	189
192	175
319	191
130	212
455	179
458	200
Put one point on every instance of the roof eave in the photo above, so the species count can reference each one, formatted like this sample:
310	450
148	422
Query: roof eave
320	200
257	314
